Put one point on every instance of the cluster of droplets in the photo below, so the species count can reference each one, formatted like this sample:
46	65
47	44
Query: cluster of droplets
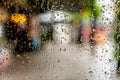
59	62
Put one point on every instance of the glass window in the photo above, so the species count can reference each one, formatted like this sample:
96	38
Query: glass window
59	39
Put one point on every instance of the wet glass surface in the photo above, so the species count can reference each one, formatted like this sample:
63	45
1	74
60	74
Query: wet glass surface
59	39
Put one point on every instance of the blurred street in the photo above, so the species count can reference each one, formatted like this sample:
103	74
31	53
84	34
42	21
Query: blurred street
73	62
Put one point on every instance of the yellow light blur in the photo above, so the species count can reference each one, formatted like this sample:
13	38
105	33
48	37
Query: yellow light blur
18	18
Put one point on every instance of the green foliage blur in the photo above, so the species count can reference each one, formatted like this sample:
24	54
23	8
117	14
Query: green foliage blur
117	34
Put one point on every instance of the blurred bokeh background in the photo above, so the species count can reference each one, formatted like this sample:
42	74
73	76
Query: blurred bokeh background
59	40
